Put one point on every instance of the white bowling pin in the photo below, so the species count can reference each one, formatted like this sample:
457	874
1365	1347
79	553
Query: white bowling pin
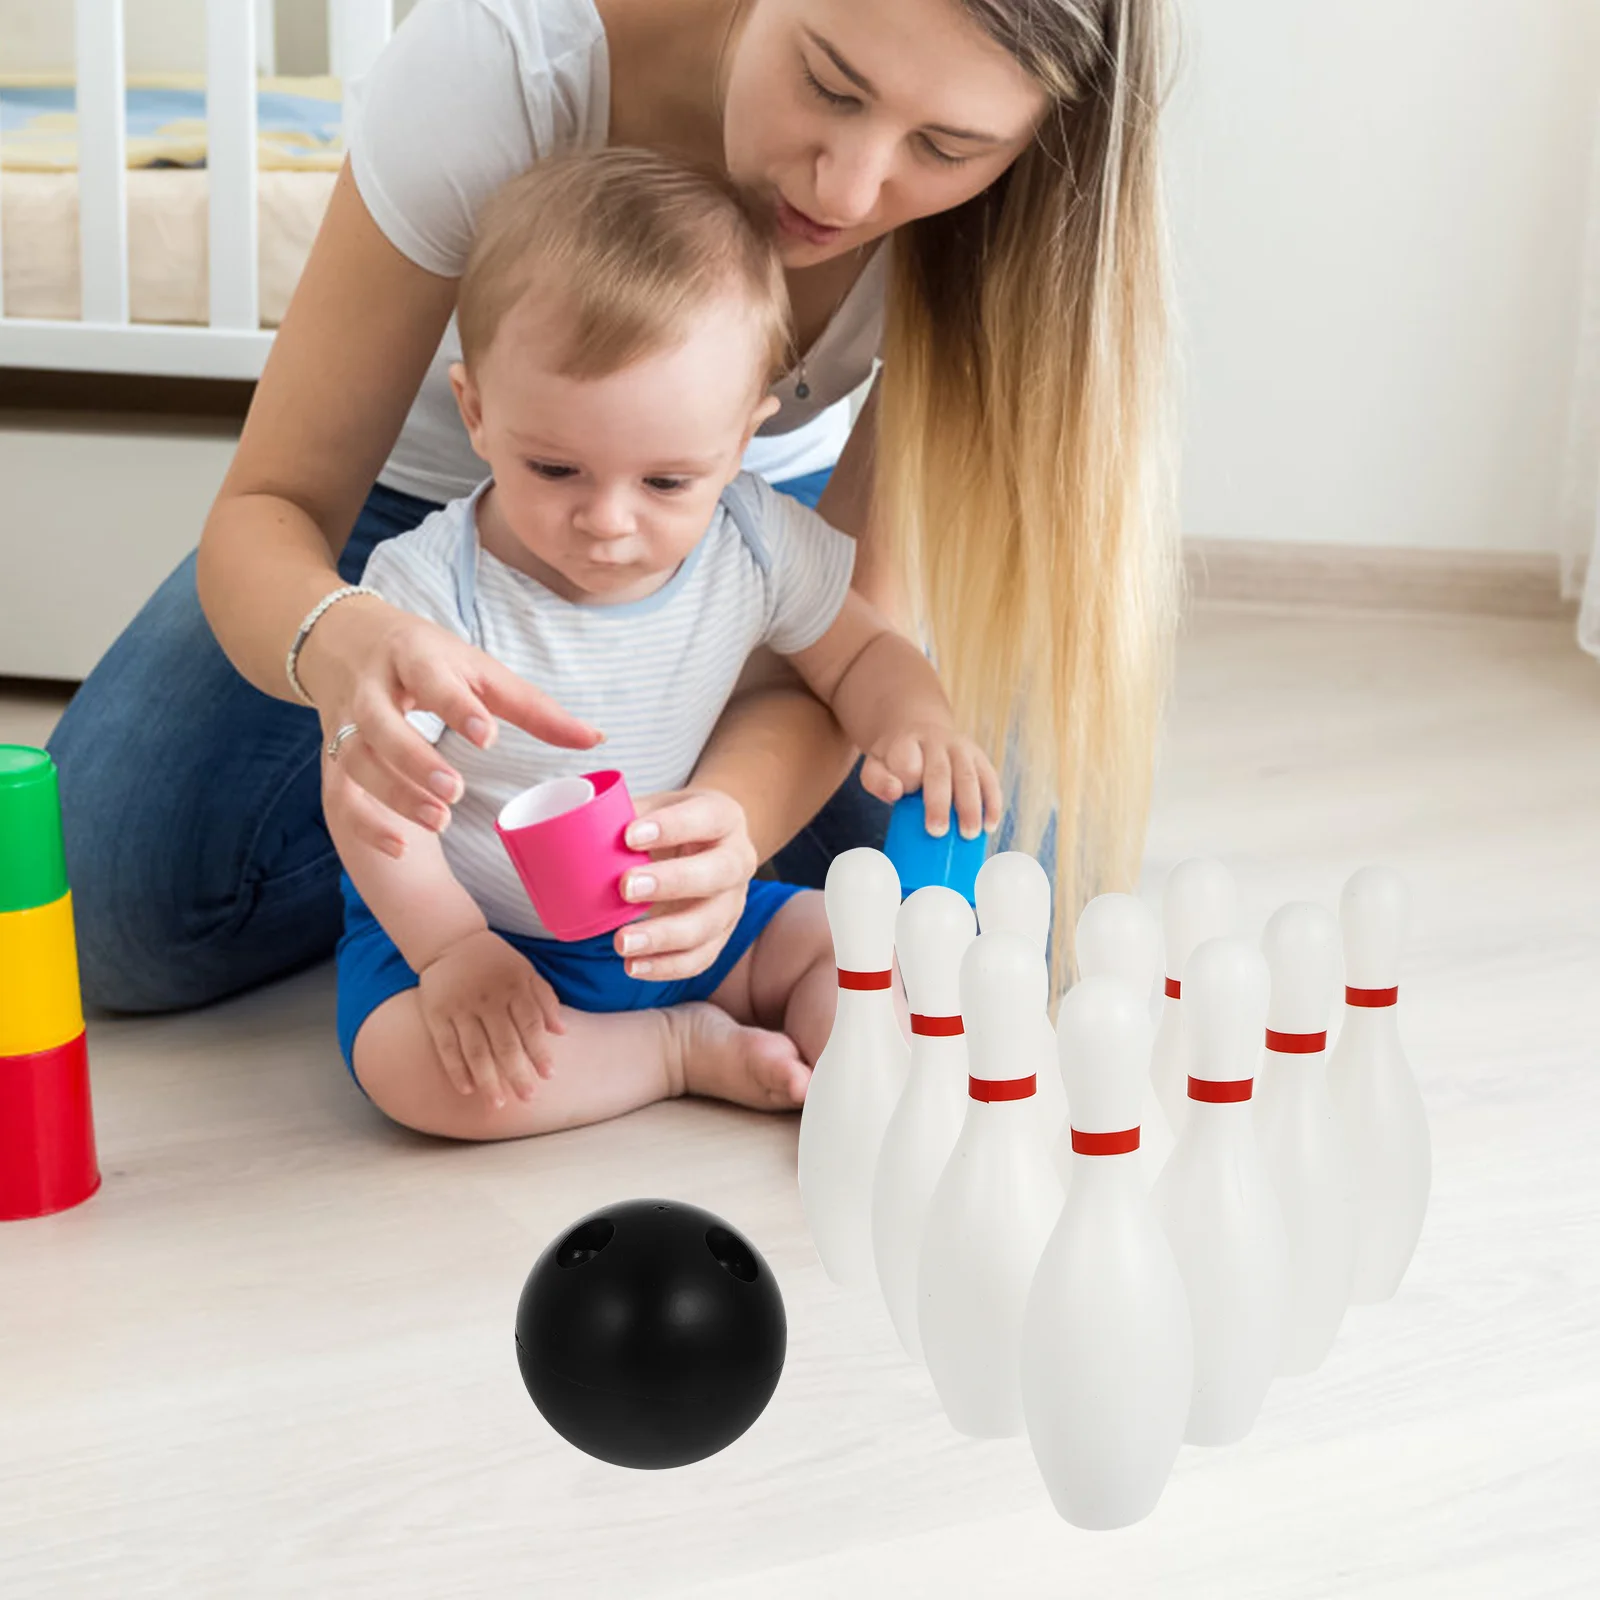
1107	1348
1215	1197
1118	936
996	1201
932	933
1200	902
861	1072
1374	1093
1301	1140
1013	895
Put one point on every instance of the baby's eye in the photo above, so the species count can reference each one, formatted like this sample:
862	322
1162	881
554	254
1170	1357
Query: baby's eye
550	470
667	485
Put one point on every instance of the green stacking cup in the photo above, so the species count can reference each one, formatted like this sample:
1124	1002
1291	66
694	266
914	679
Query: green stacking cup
33	868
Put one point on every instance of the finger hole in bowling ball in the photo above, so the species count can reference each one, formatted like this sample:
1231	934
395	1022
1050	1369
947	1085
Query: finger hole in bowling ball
585	1243
732	1254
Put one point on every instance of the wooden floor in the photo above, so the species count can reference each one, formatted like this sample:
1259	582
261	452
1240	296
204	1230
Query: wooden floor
273	1357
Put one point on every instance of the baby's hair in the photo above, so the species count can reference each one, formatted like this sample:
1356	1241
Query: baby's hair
632	245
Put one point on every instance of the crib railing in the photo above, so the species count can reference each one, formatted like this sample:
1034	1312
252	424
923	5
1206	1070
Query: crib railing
233	344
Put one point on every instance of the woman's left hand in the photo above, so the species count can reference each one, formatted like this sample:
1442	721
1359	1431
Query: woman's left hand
702	863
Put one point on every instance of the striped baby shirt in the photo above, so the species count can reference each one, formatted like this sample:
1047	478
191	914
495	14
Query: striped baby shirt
653	675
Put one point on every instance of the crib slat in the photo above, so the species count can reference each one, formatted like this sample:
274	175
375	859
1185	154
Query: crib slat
357	31
231	163
102	161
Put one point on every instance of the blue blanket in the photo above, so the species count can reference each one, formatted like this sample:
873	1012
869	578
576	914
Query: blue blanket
299	124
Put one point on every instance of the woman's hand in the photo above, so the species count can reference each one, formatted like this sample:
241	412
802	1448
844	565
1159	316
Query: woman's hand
489	1012
703	861
369	663
950	770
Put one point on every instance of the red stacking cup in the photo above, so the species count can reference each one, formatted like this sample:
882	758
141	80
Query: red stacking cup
47	1149
47	1154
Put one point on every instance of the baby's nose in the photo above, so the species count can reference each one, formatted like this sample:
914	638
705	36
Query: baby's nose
607	515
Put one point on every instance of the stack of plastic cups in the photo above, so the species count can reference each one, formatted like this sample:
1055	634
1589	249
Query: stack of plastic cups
47	1154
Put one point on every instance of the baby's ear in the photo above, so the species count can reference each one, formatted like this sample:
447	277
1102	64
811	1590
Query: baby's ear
468	401
768	406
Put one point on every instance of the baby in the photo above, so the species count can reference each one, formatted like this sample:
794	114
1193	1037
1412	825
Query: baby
621	320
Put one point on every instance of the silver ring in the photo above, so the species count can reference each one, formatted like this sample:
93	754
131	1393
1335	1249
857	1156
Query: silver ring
335	743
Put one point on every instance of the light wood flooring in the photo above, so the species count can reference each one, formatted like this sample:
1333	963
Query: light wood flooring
273	1357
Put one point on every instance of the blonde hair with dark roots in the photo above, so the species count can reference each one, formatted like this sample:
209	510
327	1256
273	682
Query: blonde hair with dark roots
1023	462
632	245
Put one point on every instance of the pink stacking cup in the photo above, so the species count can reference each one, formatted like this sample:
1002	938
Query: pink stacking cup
565	838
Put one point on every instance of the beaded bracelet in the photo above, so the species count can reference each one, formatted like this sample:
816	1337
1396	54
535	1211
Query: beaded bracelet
291	664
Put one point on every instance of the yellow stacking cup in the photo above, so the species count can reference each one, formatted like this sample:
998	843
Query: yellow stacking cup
40	1006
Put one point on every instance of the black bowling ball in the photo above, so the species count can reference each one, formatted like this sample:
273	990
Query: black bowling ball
651	1334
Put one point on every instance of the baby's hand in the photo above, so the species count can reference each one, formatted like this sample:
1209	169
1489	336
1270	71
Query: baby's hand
488	1012
946	767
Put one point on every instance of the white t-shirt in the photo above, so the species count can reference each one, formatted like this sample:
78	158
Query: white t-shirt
469	93
653	675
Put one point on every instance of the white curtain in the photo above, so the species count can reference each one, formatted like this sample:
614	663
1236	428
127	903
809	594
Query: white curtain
1580	509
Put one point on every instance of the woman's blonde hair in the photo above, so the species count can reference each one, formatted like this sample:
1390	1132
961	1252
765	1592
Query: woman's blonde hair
634	244
1023	466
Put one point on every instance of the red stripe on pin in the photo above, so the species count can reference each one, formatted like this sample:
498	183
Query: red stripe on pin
1297	1044
1174	989
1224	1093
865	980
1105	1144
1371	997
935	1027
1002	1088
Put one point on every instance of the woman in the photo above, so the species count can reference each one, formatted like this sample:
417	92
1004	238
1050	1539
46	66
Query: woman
1004	481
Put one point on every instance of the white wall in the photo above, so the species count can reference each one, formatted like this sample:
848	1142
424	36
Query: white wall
80	557
162	35
302	33
1377	211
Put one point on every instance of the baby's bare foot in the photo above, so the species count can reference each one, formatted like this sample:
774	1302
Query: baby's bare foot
725	1060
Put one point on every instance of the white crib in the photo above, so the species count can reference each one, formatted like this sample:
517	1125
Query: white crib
233	344
98	505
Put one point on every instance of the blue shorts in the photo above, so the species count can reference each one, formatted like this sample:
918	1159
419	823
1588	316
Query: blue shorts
587	974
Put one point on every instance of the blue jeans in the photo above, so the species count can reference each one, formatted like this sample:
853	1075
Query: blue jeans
192	809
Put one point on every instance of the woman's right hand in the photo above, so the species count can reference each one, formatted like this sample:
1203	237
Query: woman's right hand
369	663
701	864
